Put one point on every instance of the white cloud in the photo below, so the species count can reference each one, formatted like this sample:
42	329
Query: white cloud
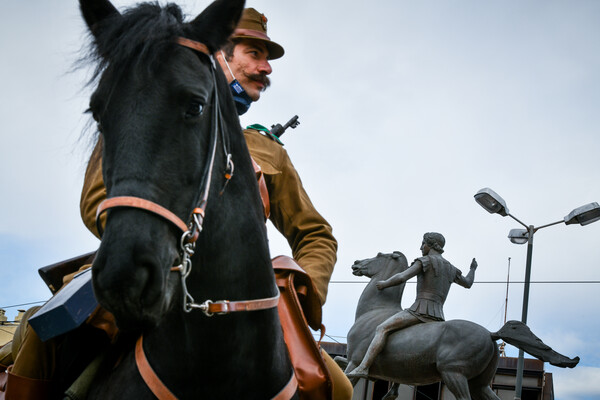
580	383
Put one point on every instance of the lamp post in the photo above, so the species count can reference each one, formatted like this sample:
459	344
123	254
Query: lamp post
494	204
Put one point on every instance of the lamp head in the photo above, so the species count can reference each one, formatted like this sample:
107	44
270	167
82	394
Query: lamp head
518	236
584	215
491	201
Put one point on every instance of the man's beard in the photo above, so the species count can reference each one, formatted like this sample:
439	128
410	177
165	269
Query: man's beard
262	78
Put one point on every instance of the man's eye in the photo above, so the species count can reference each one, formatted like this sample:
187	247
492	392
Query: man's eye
194	110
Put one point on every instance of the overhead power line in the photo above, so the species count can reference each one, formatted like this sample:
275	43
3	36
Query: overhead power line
502	282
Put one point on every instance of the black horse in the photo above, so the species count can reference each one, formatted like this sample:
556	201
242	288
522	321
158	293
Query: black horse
171	137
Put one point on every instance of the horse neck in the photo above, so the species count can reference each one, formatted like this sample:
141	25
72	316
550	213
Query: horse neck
231	262
373	298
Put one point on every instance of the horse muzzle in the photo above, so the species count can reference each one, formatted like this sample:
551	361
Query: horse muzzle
132	279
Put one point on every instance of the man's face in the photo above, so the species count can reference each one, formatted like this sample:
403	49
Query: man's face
424	248
250	66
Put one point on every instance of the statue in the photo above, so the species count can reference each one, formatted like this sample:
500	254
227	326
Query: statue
434	278
462	354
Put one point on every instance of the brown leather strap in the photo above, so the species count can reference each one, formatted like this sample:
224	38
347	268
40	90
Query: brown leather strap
136	202
154	383
162	392
289	390
226	306
192	44
262	186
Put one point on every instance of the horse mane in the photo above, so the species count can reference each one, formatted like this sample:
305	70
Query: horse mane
137	38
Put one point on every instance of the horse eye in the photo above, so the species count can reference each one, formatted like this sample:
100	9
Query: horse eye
194	110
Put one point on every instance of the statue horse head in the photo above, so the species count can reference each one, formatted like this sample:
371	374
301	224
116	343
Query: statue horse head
379	268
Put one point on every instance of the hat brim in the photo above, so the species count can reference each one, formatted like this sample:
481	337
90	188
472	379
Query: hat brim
275	49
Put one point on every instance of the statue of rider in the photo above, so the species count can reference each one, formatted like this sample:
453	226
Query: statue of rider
434	278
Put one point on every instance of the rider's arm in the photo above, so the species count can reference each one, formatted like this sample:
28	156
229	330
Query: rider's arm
401	277
309	235
467	281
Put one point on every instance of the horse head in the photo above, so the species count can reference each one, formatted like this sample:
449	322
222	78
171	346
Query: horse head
382	266
156	107
379	268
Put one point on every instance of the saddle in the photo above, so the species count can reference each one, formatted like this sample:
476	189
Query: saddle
299	308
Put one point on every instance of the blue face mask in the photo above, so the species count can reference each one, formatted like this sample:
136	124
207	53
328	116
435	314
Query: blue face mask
241	98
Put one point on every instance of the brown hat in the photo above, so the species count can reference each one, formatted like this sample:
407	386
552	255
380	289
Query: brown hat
253	25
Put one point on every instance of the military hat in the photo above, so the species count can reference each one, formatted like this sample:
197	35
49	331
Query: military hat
253	25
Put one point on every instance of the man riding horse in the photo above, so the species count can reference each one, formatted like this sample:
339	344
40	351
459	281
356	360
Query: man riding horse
246	64
434	278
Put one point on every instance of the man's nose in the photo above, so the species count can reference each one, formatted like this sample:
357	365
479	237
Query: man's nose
264	67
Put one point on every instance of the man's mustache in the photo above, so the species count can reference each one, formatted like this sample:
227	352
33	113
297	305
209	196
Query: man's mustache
262	78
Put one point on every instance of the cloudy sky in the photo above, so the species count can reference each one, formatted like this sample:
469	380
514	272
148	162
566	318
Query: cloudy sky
406	110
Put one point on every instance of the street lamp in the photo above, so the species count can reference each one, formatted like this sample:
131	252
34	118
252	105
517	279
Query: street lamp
494	204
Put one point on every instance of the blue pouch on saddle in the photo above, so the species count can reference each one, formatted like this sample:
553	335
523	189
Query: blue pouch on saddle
67	309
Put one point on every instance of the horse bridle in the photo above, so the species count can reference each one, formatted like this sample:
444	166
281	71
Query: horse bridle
192	230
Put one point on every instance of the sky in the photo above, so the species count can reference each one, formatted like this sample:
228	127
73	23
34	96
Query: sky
406	110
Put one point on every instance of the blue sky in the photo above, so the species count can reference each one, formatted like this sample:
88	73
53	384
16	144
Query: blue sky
406	110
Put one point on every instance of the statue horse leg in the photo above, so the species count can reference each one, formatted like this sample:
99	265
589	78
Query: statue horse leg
457	383
392	394
480	386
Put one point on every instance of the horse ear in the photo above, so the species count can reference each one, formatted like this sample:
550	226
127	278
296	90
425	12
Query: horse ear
95	11
217	22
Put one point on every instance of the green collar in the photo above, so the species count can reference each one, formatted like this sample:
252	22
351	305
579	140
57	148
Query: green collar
259	127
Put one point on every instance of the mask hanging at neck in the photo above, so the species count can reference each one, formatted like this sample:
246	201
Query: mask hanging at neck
241	98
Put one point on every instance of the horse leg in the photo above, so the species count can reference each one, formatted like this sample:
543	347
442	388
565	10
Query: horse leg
484	393
392	394
457	383
480	385
349	367
403	319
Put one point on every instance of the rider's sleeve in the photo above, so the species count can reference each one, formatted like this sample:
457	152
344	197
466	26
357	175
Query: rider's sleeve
309	235
93	191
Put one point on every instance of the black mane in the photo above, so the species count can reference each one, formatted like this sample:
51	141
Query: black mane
138	38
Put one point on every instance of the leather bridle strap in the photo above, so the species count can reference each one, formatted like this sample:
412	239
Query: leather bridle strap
210	307
137	202
192	44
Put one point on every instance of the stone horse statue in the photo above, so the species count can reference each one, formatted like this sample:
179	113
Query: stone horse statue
462	354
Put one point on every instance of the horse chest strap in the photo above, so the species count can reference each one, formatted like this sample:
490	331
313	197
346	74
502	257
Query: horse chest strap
152	380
